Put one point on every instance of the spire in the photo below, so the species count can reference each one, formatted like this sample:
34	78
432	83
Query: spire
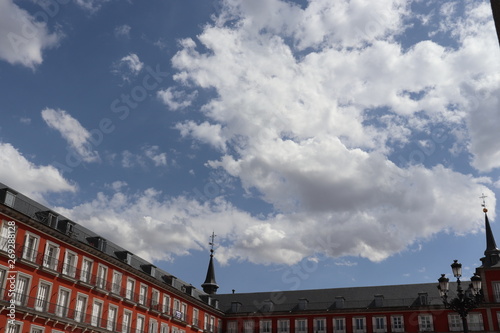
210	285
492	253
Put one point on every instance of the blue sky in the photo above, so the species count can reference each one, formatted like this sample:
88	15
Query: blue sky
326	143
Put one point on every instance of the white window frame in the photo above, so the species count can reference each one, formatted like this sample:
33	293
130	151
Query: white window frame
248	326
164	328
143	293
112	320
265	326
6	234
96	318
397	323
359	324
155	299
301	325
30	252
166	304
153	326
69	268
102	276
379	324
339	321
116	282
51	261
425	323
140	323
126	321
284	326
232	326
86	273
17	327
81	312
130	292
22	289
43	298
317	327
37	329
63	307
475	321
196	317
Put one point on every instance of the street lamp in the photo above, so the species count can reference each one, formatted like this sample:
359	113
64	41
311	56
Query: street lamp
466	300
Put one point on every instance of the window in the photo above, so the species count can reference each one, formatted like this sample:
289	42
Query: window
86	270
30	247
130	289
358	324
496	291
265	326
475	321
80	307
143	292
397	324
102	273
42	296
454	322
127	320
232	327
3	273
166	304
425	323
155	299
14	327
212	324
112	315
248	326
51	257
10	198
195	317
283	326
116	282
37	329
319	325
205	322
7	231
300	325
70	263
62	302
140	324
96	313
379	324
164	328
339	325
184	311
153	326
22	286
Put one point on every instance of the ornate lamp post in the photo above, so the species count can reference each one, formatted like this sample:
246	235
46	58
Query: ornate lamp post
466	300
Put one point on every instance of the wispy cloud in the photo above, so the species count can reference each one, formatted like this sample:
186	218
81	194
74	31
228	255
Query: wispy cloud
73	132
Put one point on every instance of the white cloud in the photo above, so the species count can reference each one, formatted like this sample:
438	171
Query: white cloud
128	67
30	179
22	38
78	138
310	105
123	31
176	100
91	6
153	153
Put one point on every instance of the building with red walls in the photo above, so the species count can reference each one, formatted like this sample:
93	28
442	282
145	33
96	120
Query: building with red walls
57	276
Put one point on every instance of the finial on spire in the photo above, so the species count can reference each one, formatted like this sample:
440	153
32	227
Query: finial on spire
485	210
212	242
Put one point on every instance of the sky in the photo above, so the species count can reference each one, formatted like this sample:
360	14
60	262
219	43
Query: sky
326	143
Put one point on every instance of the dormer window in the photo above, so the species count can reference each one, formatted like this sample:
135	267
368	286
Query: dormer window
235	307
10	198
339	302
423	298
124	256
97	242
268	306
48	218
379	300
303	304
150	269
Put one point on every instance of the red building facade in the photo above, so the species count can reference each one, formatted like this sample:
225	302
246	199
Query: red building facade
56	276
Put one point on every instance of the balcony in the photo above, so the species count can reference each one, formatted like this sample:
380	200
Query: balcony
44	308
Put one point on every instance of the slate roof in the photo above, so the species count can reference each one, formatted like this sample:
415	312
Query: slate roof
326	299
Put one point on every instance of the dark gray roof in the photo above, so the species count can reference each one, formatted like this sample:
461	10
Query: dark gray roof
38	212
331	299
